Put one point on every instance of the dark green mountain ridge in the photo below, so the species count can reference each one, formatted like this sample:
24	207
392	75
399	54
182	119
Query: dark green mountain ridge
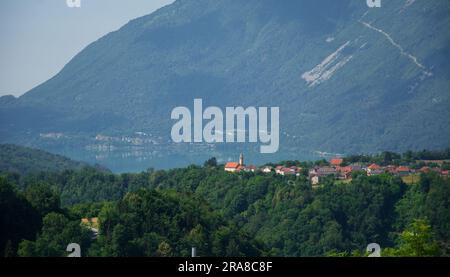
24	160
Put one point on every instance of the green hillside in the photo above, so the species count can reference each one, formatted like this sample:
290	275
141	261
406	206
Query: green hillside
24	160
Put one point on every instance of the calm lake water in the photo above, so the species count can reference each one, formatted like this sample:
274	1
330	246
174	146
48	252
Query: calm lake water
125	160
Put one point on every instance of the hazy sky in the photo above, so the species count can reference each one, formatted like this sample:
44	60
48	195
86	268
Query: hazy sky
38	37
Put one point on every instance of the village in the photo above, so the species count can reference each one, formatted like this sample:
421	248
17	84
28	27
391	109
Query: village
337	168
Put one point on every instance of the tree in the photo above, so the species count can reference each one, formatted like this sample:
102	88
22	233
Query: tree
416	241
26	249
196	238
211	162
18	219
9	250
164	250
109	217
43	198
120	241
57	232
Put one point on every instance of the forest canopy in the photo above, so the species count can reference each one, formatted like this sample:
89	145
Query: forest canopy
167	212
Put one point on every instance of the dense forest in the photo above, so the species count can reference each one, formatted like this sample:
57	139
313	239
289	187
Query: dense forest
165	213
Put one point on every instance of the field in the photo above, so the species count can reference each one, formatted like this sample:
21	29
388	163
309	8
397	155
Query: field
411	179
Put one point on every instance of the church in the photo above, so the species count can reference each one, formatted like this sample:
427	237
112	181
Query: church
234	166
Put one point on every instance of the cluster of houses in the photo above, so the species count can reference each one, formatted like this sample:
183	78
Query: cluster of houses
335	168
241	167
345	172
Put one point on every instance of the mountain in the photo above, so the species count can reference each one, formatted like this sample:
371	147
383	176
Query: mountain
24	160
347	78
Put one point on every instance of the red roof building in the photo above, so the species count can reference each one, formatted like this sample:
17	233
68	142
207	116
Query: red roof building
374	167
346	169
392	169
336	161
232	166
403	169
